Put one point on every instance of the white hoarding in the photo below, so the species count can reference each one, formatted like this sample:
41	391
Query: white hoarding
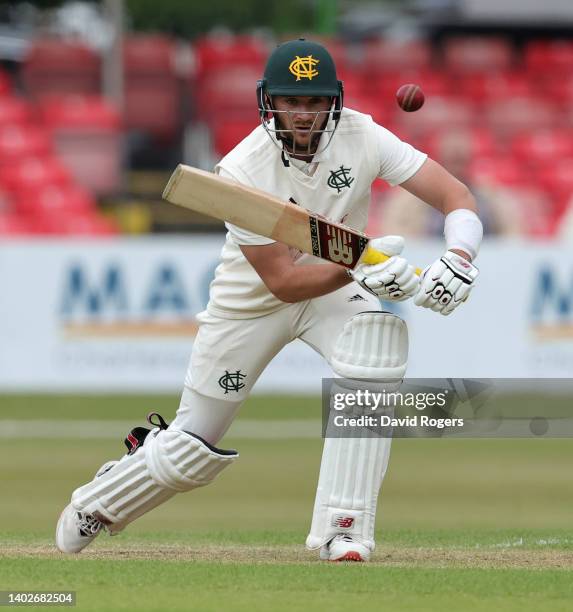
118	315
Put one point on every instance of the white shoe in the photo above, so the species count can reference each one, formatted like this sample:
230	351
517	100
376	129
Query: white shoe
344	548
76	530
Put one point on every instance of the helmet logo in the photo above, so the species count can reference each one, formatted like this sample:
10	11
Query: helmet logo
304	67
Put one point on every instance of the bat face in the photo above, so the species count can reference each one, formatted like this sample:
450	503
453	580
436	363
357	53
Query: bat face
266	215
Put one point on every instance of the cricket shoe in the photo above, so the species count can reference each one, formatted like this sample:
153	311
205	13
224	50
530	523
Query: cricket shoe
76	529
344	548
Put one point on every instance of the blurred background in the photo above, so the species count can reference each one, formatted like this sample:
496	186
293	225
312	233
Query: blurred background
101	280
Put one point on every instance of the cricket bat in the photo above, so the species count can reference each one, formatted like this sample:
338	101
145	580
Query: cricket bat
269	216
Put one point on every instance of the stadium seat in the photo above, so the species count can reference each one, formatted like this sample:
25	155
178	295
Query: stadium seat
14	225
23	141
543	146
498	170
55	66
557	178
33	173
227	134
380	112
433	83
5	84
557	87
544	56
481	142
225	50
508	117
387	55
88	138
495	86
53	198
438	113
213	98
152	95
14	111
463	54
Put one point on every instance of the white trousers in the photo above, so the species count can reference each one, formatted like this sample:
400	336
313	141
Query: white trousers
229	355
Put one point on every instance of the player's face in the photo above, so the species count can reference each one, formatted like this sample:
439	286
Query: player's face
301	117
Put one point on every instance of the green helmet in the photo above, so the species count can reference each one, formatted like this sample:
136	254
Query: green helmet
301	68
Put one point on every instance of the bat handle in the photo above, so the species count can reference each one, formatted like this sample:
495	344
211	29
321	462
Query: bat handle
372	256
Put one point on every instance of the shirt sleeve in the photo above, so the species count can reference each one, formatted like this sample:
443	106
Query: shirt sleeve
399	160
237	234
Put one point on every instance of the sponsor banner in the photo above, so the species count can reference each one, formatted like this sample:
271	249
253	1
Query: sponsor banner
119	315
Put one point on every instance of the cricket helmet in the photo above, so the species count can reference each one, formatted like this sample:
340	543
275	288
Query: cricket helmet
299	68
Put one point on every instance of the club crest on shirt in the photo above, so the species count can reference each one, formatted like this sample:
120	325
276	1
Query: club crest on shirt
339	179
232	381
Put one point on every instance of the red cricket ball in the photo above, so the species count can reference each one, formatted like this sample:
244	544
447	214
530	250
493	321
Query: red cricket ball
410	97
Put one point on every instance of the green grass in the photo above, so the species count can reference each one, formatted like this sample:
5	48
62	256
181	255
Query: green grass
463	524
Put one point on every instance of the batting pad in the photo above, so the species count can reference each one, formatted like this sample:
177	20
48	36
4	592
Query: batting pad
351	475
372	345
169	461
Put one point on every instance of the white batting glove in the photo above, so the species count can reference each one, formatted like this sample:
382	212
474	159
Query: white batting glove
446	283
395	279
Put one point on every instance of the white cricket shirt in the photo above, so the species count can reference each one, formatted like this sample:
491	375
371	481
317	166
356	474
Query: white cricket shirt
335	184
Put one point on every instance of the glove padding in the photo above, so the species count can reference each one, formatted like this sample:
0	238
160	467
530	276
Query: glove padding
446	283
394	280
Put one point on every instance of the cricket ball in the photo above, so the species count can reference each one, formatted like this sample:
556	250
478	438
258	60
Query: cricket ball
410	97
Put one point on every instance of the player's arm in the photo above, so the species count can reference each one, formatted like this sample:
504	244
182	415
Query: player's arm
447	282
288	282
434	185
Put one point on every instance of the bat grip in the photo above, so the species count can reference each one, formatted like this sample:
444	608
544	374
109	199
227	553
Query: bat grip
372	256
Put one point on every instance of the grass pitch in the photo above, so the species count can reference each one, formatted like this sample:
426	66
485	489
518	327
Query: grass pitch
463	524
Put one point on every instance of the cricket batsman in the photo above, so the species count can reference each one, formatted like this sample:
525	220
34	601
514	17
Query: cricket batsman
313	151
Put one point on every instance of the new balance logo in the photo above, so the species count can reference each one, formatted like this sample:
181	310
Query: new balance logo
343	522
356	298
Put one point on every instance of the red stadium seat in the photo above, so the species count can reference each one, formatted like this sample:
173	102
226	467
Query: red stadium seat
228	134
5	84
557	178
88	138
543	56
557	87
33	173
497	170
481	142
214	98
432	82
18	141
53	198
14	225
543	146
390	55
508	117
381	112
437	114
463	54
496	86
226	50
54	66
151	86
14	111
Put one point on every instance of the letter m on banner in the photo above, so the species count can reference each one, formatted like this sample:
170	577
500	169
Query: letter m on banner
80	297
